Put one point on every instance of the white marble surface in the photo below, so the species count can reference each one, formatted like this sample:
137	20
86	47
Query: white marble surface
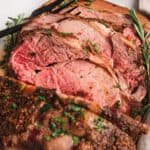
11	8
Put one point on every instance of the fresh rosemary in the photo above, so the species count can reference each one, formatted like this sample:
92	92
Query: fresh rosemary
145	47
10	40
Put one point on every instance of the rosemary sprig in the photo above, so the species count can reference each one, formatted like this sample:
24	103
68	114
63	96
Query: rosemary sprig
10	40
145	47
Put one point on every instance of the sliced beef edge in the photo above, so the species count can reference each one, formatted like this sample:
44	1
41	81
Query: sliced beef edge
87	127
50	105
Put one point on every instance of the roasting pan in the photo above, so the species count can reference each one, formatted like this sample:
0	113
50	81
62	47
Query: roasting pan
144	142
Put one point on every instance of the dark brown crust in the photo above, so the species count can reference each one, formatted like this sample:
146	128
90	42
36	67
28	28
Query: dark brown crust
104	5
17	122
125	123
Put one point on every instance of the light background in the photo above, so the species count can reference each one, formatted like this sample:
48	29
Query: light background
11	8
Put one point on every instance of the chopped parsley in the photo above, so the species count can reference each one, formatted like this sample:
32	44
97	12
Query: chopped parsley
70	116
118	104
117	86
99	123
14	106
59	132
129	86
65	113
87	48
83	113
53	126
64	34
4	97
76	140
46	107
60	120
41	98
96	48
49	32
94	45
47	138
76	108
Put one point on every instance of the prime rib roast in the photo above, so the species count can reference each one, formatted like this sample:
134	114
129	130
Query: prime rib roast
41	119
94	59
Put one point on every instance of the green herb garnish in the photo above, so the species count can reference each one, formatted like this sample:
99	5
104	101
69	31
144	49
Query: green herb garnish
76	140
129	86
14	106
49	32
118	104
53	126
4	97
60	120
87	48
145	110
83	113
64	34
46	107
72	118
41	98
145	47
117	85
59	132
99	123
94	45
76	108
47	137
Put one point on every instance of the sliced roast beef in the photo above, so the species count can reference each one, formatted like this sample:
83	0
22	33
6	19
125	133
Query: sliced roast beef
95	60
128	63
83	31
36	118
75	75
116	20
42	21
47	49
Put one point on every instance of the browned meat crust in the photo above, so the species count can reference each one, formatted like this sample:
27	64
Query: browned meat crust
38	119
